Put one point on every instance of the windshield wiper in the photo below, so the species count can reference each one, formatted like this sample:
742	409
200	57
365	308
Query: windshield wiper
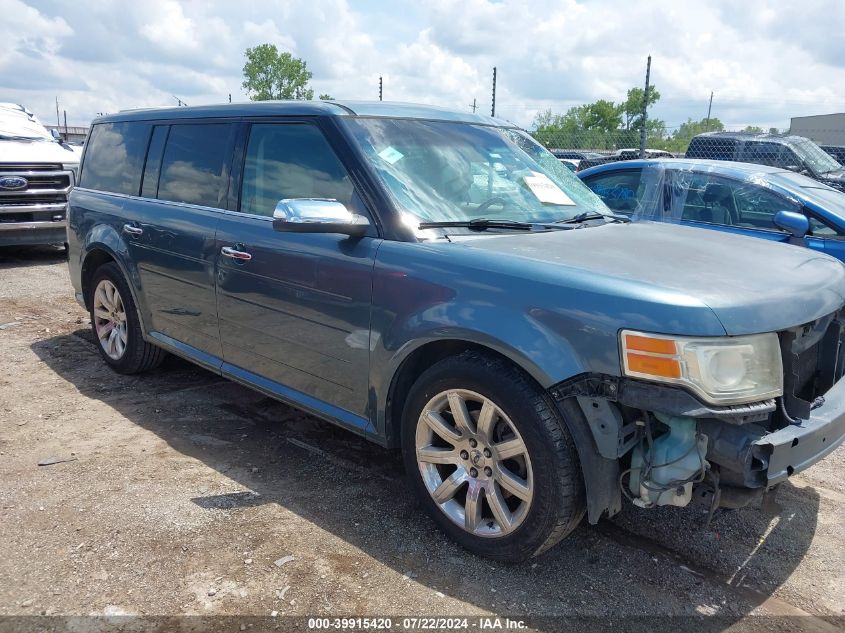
480	224
10	137
583	217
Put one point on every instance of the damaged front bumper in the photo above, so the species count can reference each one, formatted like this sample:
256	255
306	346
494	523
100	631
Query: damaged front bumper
602	412
798	446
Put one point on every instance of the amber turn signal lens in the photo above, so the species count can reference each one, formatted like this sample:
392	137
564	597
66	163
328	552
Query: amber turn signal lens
653	365
648	344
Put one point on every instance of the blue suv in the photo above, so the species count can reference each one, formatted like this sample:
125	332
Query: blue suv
438	282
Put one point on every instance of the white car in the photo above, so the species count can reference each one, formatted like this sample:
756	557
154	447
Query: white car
37	172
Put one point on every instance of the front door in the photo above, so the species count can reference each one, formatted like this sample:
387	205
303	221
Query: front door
294	309
734	206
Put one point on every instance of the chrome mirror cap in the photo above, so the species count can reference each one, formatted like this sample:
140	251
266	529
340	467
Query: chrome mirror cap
317	215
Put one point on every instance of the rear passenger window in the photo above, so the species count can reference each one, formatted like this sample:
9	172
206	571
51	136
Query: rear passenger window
193	168
291	160
114	157
619	190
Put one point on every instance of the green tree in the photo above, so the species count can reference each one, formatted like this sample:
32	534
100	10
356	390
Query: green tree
632	107
269	74
680	139
603	115
753	129
601	124
326	97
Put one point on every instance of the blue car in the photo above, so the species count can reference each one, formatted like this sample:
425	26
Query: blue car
439	283
746	199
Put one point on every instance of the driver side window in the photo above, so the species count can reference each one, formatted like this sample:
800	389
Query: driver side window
727	202
757	206
292	160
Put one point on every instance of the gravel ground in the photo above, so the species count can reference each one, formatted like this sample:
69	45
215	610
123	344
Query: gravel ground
184	493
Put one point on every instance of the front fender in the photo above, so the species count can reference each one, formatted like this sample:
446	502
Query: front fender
425	300
534	348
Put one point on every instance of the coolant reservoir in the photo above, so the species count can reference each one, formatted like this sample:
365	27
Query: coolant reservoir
677	456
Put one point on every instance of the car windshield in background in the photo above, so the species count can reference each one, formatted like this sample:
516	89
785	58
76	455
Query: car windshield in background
819	161
824	196
440	171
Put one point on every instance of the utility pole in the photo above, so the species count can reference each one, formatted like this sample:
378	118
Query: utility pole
380	86
65	113
493	108
709	108
645	108
473	105
58	122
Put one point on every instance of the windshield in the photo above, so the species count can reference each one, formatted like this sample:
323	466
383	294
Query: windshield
818	160
441	171
16	122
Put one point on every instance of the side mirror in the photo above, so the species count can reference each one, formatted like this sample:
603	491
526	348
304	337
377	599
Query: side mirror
794	223
317	215
55	134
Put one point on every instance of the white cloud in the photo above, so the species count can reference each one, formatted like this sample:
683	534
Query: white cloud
766	61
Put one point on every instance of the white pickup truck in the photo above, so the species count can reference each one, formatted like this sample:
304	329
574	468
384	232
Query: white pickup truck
37	172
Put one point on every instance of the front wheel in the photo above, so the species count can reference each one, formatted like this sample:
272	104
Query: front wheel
490	459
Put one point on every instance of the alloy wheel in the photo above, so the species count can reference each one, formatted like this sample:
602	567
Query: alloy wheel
110	319
474	463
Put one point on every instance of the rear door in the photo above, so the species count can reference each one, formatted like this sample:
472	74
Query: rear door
295	316
172	234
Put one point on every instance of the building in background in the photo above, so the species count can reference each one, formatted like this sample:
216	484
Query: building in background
824	129
70	133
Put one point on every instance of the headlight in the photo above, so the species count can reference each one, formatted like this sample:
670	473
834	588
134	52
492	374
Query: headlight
722	370
73	167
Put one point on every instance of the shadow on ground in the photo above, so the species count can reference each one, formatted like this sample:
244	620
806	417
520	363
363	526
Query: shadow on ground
641	563
25	256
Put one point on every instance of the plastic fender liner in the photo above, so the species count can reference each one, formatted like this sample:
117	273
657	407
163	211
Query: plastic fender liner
601	475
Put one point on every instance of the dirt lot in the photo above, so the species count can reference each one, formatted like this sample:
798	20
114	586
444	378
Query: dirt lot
185	493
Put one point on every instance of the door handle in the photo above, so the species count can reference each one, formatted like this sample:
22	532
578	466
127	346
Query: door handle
134	231
228	251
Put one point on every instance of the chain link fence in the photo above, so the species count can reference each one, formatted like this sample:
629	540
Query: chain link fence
586	148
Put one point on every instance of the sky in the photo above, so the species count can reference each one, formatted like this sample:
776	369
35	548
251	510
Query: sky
765	61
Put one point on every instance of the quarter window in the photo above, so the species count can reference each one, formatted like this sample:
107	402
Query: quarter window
291	160
193	168
820	229
114	157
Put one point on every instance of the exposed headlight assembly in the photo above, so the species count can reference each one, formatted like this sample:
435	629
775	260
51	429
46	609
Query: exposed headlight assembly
721	370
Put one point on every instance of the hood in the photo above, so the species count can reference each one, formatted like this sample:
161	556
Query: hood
752	285
36	152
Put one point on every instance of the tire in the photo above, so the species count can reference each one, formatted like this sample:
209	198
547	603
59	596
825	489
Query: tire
533	492
123	348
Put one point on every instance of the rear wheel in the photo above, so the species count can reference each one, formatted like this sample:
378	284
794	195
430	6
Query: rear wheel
115	323
490	459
